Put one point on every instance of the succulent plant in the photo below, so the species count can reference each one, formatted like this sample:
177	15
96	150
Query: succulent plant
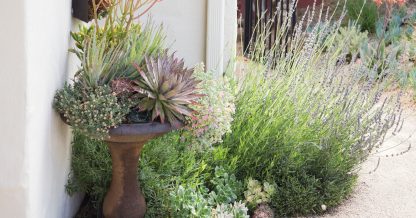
257	193
91	111
352	37
167	89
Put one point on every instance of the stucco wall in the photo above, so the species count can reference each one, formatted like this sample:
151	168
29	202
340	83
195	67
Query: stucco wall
230	31
48	139
35	145
184	22
13	175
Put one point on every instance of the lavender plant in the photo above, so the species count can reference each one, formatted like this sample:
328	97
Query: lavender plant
306	120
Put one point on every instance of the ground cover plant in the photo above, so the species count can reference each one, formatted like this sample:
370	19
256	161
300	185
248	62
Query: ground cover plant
299	120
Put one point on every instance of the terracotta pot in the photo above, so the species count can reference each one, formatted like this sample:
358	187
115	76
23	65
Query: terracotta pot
306	3
124	198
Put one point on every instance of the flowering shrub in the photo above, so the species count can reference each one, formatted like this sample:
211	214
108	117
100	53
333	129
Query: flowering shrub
92	111
215	110
305	120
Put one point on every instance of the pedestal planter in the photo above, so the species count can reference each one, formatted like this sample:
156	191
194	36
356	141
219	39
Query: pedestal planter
124	198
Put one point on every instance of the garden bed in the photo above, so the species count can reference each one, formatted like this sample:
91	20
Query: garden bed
284	135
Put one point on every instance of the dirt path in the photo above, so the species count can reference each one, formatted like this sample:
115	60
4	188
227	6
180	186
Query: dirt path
390	191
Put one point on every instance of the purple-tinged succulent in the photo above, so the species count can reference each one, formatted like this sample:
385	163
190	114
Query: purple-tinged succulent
167	89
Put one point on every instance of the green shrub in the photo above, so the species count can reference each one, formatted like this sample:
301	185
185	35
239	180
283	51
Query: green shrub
364	12
305	120
165	164
90	169
176	181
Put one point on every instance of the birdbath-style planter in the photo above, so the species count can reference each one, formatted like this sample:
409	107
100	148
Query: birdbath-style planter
124	198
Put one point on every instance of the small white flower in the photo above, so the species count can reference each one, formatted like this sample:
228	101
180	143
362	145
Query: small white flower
323	207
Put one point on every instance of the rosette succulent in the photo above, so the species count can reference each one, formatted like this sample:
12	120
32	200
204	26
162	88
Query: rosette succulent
167	89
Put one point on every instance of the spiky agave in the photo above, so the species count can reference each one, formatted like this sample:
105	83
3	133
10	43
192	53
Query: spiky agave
168	88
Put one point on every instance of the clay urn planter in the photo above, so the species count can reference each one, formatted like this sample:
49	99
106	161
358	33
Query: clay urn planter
124	198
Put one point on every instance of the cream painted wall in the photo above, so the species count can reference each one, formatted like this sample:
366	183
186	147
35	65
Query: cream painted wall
13	172
185	25
35	145
48	23
230	31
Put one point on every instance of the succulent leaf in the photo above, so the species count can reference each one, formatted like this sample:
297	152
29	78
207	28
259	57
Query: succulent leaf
170	88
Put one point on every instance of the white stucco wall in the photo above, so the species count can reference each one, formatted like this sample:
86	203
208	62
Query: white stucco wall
184	22
36	151
13	173
230	31
48	139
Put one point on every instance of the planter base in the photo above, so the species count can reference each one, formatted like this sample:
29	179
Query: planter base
124	199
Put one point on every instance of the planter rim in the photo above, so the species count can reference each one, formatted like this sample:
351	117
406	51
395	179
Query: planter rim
139	132
136	132
141	129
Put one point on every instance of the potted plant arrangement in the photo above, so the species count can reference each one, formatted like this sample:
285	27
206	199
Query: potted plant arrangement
128	90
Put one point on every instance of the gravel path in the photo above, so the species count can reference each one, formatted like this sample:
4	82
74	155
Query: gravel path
390	191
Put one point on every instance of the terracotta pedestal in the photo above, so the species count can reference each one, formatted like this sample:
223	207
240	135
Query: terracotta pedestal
124	198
